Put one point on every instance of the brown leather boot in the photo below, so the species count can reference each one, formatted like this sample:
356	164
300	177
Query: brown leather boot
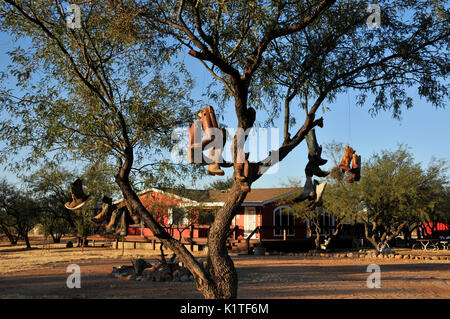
308	189
110	228
102	215
107	208
209	122
238	172
195	152
357	168
245	186
136	219
214	168
346	158
355	171
79	198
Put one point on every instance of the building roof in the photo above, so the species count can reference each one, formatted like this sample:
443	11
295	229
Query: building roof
256	197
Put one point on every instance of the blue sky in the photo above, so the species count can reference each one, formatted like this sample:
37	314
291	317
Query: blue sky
423	128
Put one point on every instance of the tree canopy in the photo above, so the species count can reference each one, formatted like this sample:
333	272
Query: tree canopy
19	213
87	95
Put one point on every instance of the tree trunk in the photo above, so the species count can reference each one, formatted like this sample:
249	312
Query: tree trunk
393	234
370	235
407	231
220	266
12	239
219	279
27	241
318	231
336	232
203	282
56	238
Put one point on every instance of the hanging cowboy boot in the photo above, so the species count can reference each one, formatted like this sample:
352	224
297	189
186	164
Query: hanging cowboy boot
308	191
355	171
314	156
346	158
238	172
312	169
215	154
107	208
122	229
314	150
241	170
116	214
245	186
79	198
214	168
209	123
357	168
239	165
136	219
320	189
195	151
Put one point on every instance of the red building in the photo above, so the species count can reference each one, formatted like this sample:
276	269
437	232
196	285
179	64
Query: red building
260	209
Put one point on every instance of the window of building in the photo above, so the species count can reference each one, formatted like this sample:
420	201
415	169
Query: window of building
177	217
283	219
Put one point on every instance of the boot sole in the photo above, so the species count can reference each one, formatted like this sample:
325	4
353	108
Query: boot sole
220	173
79	206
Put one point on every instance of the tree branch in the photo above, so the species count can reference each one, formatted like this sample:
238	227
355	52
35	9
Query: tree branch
254	60
58	43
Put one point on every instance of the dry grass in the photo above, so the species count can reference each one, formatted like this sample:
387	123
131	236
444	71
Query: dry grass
16	258
41	273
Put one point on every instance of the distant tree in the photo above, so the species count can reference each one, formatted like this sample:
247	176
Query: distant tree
19	213
393	193
222	184
443	207
56	228
438	195
340	198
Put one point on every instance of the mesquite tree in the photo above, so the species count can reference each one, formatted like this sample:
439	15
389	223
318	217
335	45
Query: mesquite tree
19	213
276	52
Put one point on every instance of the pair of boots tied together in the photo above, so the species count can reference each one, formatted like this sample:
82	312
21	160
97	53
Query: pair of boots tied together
314	156
313	191
79	198
215	139
355	170
118	218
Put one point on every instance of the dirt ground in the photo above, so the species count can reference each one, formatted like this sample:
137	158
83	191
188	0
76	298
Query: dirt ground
41	273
